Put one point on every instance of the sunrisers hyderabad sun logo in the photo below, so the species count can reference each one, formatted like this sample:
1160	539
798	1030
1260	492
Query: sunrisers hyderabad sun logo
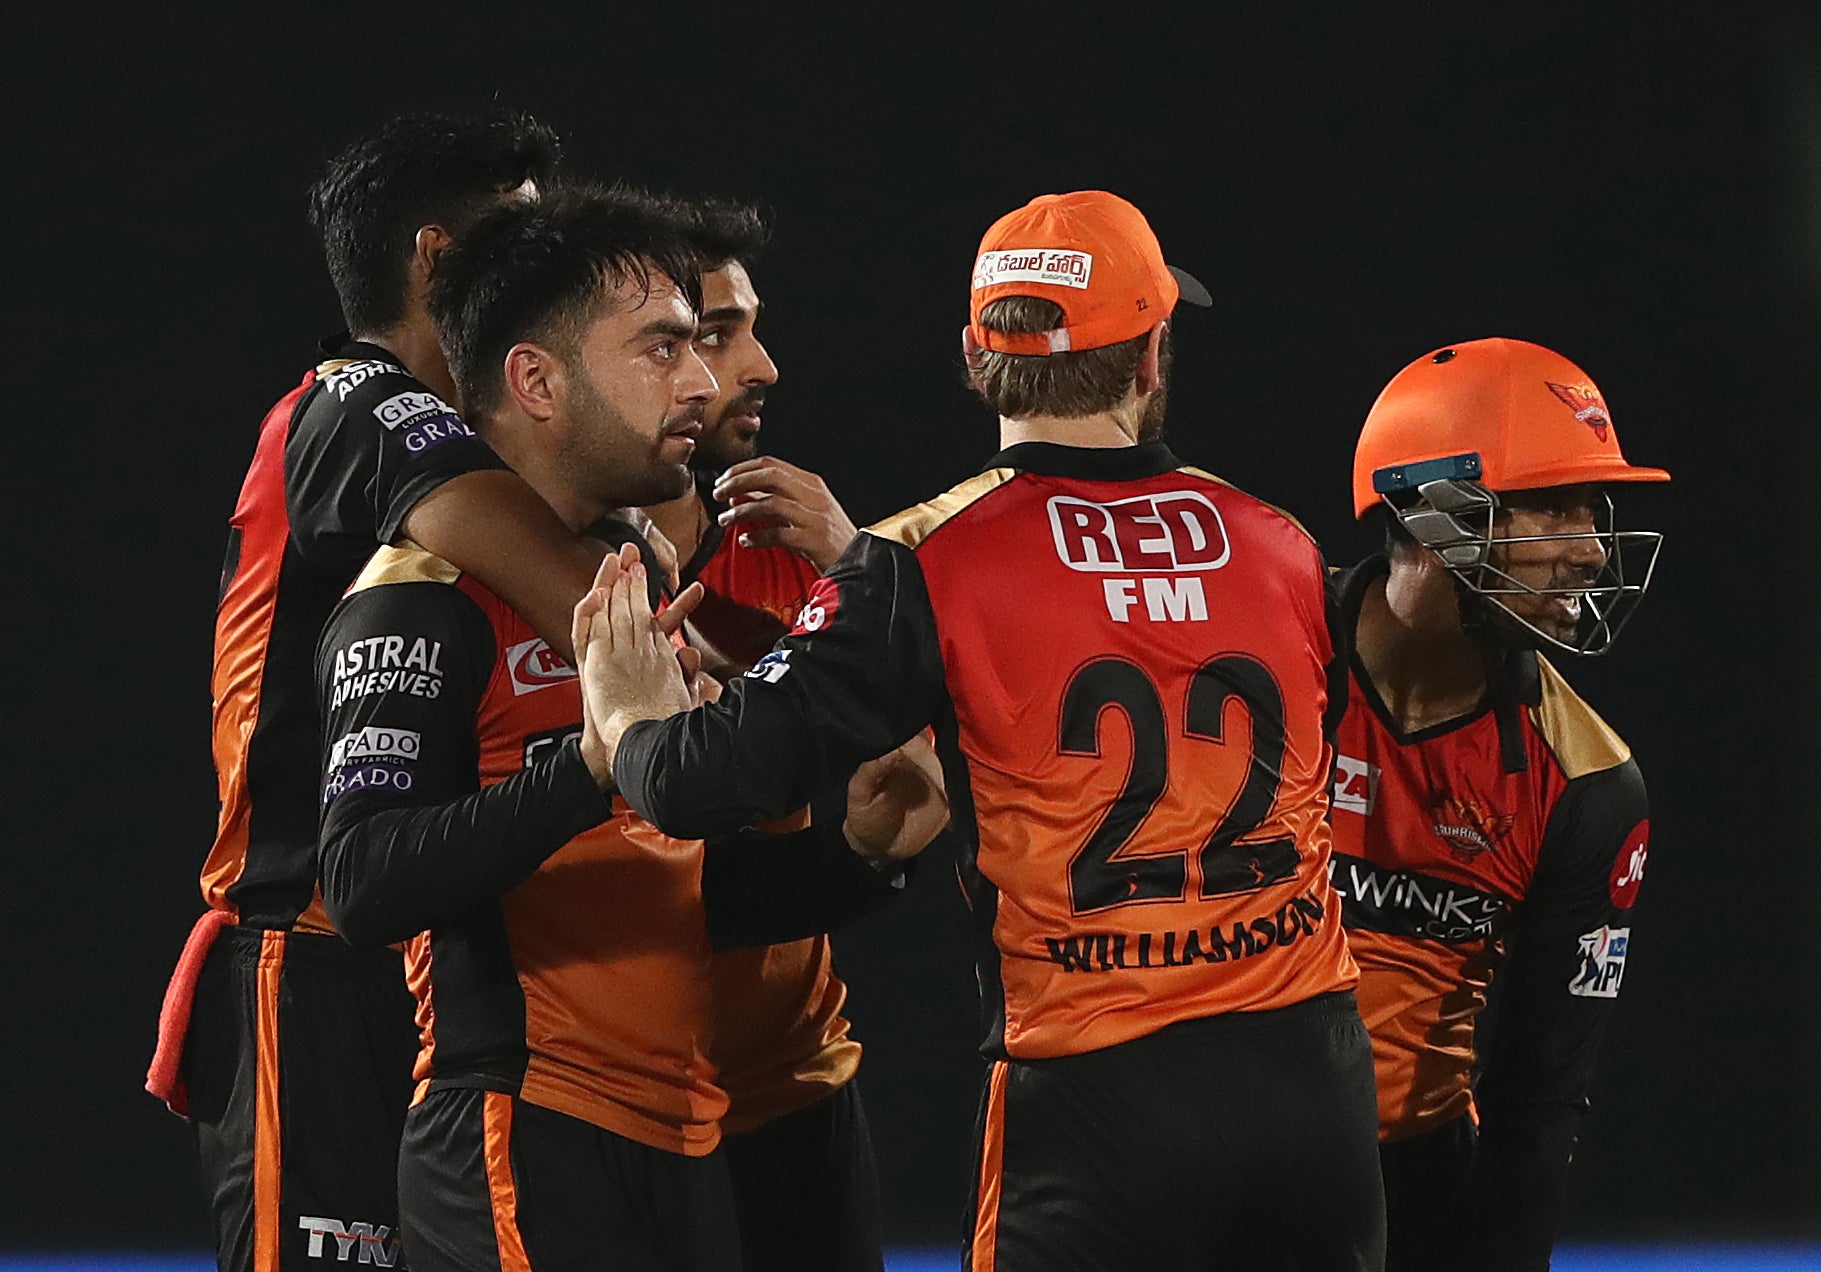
1467	827
1586	403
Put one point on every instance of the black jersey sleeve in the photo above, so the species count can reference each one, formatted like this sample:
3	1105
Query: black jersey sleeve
367	445
1568	945
767	889
860	675
409	839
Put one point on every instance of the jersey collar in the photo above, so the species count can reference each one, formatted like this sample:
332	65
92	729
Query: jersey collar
1088	463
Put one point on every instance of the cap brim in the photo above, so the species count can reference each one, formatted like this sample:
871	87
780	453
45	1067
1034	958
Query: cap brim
1190	287
1579	474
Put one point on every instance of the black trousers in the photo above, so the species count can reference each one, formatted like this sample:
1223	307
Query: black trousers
807	1188
489	1183
1235	1142
1425	1198
298	1063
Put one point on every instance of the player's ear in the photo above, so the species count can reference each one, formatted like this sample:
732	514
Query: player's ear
970	355
534	380
425	248
1150	366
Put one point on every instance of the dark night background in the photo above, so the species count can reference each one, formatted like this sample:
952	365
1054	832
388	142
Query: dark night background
1638	187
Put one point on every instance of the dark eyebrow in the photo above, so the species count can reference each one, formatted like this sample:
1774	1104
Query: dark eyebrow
666	327
726	313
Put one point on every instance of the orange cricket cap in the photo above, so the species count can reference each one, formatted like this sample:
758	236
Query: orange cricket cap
1092	253
1528	416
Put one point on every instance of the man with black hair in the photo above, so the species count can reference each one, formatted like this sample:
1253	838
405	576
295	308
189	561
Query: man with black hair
568	1113
290	1052
798	1147
1486	820
1128	667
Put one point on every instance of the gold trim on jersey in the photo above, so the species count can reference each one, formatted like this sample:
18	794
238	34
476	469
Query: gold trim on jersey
914	525
1222	481
1583	743
404	563
326	369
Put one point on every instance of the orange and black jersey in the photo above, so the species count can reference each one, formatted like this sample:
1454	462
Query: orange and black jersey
566	943
340	462
1511	840
1126	663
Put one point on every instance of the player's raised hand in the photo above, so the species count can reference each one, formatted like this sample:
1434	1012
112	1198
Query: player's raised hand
896	804
776	504
628	667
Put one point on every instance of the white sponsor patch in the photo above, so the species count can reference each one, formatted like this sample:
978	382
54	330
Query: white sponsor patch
1060	267
771	668
1355	785
376	743
534	665
1602	965
403	408
1169	531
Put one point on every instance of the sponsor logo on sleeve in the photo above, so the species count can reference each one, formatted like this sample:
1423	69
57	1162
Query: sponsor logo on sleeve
1628	870
771	668
1059	267
1602	965
819	610
344	380
387	664
370	1243
420	420
534	665
1355	785
372	759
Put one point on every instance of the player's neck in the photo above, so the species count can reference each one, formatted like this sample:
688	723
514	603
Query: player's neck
413	342
1425	667
512	440
683	520
1103	430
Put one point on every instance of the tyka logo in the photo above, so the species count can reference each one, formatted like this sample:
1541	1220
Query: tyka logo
1586	403
1628	868
1176	530
534	665
375	1242
1355	785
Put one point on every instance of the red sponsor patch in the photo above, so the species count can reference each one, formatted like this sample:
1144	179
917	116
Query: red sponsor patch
1628	870
819	610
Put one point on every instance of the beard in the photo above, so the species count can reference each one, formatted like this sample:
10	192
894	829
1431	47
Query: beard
1151	423
605	458
721	446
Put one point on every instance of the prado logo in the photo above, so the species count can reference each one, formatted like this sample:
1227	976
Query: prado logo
1628	869
375	1242
1586	403
1468	827
376	743
1602	965
1060	267
1355	785
534	665
345	379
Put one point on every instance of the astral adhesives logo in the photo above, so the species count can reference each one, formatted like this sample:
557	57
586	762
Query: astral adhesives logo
1586	403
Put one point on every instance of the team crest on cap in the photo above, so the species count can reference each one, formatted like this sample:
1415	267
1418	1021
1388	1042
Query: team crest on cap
1586	403
1059	267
